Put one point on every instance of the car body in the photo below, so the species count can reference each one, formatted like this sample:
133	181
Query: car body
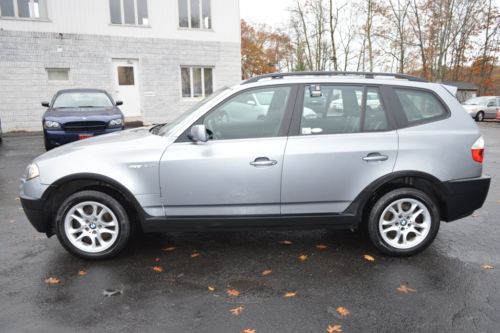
75	114
484	107
397	169
1	133
498	114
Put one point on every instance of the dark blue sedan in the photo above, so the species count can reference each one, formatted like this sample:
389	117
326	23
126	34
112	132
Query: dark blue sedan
76	114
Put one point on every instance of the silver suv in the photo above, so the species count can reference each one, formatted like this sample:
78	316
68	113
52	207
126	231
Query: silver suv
388	152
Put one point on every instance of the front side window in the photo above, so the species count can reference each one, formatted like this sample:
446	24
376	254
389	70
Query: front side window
195	14
129	12
419	105
196	81
241	118
32	9
82	100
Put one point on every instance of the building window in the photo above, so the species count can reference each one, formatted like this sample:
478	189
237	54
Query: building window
58	74
196	82
31	9
130	12
195	14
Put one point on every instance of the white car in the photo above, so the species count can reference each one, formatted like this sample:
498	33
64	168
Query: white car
484	107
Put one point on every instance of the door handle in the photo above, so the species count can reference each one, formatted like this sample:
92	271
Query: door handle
375	157
263	161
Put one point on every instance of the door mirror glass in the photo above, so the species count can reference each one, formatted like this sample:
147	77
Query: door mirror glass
198	133
119	103
45	104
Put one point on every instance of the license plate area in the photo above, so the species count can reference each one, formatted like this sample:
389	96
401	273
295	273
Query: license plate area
84	136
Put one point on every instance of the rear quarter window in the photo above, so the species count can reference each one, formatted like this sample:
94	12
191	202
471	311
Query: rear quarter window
420	106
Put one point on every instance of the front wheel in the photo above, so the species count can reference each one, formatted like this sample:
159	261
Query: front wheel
92	225
403	222
480	116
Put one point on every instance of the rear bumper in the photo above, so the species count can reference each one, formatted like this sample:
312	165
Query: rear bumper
37	214
464	196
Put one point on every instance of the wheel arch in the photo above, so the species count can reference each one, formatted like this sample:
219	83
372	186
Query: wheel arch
66	186
425	182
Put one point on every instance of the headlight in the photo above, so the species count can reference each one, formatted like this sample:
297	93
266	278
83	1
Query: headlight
49	124
32	171
116	123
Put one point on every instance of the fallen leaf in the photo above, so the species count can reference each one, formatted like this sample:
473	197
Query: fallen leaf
475	215
195	254
157	259
342	311
232	292
290	294
321	247
405	289
112	292
12	221
82	273
211	288
237	311
158	269
303	257
334	328
18	199
170	249
248	330
486	266
52	280
286	242
368	257
266	272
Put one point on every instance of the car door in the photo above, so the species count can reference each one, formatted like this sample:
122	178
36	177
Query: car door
491	109
338	145
238	171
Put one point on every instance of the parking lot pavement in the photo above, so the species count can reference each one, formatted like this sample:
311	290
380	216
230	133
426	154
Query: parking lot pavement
447	288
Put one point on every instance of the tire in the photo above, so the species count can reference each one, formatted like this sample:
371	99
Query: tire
99	220
48	146
399	236
480	116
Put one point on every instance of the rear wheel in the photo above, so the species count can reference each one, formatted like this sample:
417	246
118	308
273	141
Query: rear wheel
92	225
480	116
403	222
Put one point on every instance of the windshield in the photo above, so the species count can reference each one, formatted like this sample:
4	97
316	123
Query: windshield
82	99
477	101
165	129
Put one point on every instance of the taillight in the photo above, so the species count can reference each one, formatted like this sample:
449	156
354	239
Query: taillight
477	150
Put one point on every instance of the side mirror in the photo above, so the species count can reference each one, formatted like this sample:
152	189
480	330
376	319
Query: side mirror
118	103
198	133
46	104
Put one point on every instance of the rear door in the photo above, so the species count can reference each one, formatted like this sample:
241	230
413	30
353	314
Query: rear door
341	140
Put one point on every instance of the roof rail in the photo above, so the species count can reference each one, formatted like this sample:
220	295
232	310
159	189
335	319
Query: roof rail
368	75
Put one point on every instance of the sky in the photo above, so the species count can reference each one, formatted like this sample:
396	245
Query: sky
271	12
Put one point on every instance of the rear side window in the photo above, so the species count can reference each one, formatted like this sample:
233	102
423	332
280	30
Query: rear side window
419	105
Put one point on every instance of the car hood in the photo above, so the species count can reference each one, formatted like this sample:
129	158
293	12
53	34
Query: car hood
82	114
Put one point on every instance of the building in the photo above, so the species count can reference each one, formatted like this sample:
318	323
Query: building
158	56
465	90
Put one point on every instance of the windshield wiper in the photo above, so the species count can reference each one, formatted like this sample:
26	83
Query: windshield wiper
156	127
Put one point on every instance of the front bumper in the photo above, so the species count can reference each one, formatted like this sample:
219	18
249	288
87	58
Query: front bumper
38	214
464	196
58	138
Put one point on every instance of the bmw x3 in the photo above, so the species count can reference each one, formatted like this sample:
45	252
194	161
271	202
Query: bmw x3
390	153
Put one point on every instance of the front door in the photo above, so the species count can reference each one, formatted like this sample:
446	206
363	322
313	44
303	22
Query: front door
343	142
238	171
127	87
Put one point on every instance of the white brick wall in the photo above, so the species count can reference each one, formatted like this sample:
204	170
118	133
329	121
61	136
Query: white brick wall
25	55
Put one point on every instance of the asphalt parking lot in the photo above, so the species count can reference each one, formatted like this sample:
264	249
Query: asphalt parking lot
454	286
